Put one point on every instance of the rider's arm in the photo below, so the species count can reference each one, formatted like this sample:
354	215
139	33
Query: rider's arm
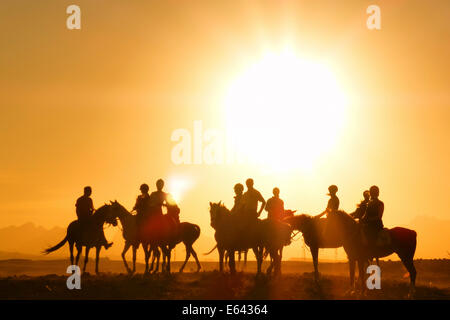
381	210
91	204
261	199
321	214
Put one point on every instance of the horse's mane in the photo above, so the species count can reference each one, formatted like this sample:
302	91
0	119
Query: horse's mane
221	206
101	210
345	216
124	210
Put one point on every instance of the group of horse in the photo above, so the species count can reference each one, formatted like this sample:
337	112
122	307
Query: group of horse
162	235
264	237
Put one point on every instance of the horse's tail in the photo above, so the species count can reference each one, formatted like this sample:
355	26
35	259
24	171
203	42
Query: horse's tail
54	248
215	247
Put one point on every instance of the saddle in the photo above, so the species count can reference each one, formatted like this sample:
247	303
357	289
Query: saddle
383	238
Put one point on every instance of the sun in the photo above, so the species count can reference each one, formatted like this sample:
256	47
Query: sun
284	112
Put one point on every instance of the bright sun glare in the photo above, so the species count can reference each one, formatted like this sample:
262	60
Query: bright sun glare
284	112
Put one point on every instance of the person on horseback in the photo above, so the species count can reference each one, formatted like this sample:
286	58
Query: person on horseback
361	207
332	208
275	206
372	219
250	200
142	205
84	210
158	198
238	191
333	203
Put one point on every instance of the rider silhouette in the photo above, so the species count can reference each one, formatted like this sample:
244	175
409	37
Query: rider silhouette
362	206
333	203
250	201
332	207
84	205
158	198
372	219
238	205
85	209
275	206
142	205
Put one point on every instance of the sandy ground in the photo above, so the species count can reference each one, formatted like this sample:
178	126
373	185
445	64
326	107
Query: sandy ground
28	279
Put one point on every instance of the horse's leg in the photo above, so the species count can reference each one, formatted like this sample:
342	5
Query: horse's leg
71	252
408	262
163	263
239	257
278	262
158	256
361	274
79	250
97	257
169	253
221	256
232	263
152	251
272	262
124	251
258	254
194	254
86	258
315	256
135	248
188	248
351	265
147	256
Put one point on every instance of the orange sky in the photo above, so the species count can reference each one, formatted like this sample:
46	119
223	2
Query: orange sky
97	106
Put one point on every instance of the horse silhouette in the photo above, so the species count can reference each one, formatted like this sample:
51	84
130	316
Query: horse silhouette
88	236
164	232
259	235
346	232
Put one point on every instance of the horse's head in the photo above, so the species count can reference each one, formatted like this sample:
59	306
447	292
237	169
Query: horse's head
300	222
289	213
216	212
105	214
174	211
117	209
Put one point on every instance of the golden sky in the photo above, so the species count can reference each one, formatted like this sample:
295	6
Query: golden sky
98	106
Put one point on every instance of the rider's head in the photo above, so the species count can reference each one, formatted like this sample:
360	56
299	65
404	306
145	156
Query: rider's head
276	192
144	188
366	195
374	192
160	184
249	183
332	190
87	191
238	188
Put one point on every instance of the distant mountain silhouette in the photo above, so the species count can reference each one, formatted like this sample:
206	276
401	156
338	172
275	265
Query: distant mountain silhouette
28	240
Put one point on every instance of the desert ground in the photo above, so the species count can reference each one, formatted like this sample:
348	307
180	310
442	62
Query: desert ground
35	279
